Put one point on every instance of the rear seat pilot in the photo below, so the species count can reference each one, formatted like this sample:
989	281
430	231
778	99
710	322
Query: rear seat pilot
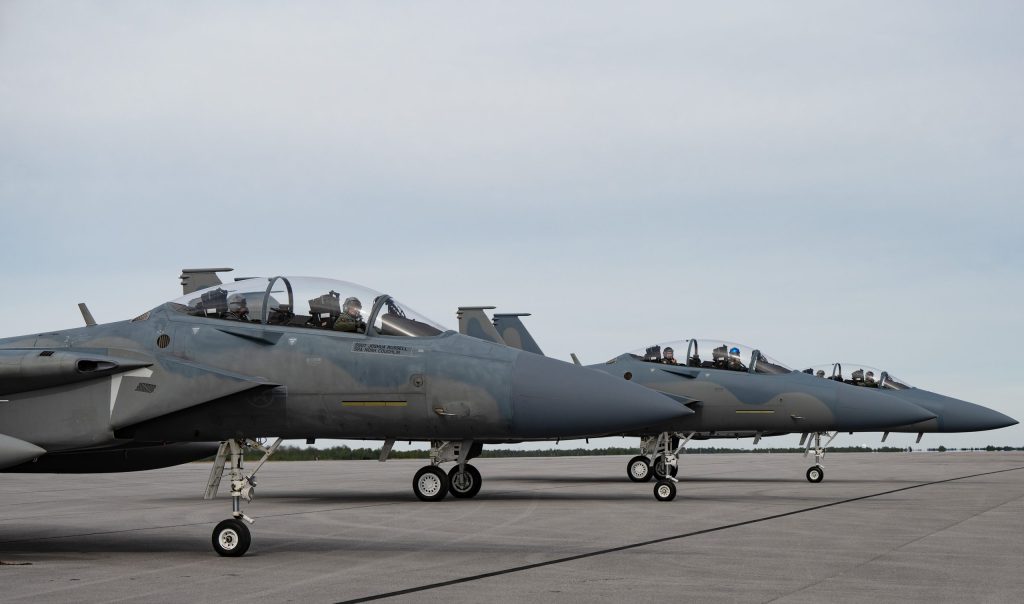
351	319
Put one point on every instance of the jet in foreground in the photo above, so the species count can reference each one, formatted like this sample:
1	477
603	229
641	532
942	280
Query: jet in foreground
289	357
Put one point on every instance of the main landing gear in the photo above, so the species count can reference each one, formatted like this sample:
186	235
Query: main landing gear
463	481
231	537
816	473
654	450
659	457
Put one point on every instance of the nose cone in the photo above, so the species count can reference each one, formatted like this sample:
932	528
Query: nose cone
872	409
955	415
552	399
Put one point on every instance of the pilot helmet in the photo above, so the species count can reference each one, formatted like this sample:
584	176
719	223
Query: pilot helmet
734	351
668	349
236	303
352	302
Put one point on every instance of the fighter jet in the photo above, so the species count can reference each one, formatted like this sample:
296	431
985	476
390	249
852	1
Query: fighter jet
952	415
288	358
736	390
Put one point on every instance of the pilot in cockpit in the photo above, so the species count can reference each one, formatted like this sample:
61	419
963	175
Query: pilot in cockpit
351	319
735	363
668	356
869	379
237	308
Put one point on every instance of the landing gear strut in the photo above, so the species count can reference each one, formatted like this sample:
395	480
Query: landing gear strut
665	452
231	537
462	481
816	473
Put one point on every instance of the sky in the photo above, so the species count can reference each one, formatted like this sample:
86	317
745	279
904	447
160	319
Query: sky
821	180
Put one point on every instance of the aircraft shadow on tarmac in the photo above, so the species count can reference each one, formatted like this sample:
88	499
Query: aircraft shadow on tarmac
685	479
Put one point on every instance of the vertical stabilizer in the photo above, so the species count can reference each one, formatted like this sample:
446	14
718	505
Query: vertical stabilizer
473	321
512	331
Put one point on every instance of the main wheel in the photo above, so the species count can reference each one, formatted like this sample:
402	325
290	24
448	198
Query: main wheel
665	490
464	485
638	469
430	484
658	467
815	474
231	538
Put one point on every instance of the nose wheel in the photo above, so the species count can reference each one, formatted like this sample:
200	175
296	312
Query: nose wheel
665	490
815	474
231	538
639	469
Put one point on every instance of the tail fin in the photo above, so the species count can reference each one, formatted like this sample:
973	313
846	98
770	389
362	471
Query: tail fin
473	321
511	329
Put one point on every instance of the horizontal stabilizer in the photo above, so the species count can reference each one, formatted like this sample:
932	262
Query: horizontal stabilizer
14	451
473	321
194	279
22	370
514	333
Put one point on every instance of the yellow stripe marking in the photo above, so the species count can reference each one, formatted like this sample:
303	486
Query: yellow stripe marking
374	404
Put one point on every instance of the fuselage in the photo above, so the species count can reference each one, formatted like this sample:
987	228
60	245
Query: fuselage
208	379
728	401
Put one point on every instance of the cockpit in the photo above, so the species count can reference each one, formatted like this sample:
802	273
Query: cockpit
307	302
858	375
711	354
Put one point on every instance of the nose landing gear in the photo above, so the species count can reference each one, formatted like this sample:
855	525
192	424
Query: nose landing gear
231	537
816	473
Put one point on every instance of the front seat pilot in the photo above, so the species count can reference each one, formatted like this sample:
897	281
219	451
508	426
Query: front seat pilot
237	309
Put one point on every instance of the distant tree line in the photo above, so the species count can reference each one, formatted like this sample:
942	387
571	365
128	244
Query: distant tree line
289	453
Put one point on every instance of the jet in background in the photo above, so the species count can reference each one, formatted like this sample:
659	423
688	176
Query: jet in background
951	414
289	358
735	390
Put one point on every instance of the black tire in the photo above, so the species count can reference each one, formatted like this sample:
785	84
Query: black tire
231	538
658	468
430	484
815	474
665	490
639	469
466	486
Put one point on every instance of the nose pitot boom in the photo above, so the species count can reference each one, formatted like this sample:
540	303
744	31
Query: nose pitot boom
552	399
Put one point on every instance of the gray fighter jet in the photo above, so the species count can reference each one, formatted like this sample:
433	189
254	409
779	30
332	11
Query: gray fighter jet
736	390
288	357
952	414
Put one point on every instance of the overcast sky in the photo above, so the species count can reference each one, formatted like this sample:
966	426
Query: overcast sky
822	180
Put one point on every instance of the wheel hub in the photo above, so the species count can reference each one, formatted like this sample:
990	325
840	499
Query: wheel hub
429	484
228	539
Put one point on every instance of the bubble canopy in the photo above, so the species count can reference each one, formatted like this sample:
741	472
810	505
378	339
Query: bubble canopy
310	302
711	354
858	375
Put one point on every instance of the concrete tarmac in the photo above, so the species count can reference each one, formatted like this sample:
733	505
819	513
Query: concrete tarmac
884	527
